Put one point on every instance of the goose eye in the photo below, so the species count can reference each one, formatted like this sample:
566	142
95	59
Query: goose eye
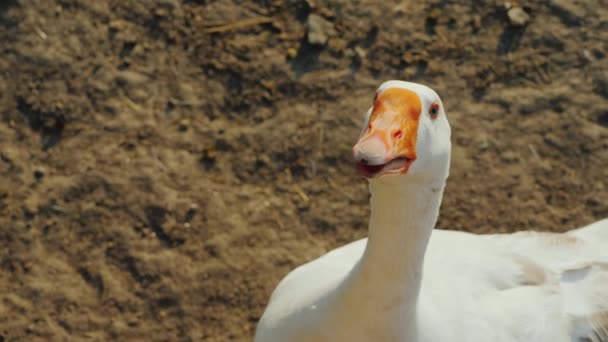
434	110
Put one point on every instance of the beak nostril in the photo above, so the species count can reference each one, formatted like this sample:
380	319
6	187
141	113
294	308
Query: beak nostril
363	161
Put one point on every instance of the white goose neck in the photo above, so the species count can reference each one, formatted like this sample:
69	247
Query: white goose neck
402	218
390	270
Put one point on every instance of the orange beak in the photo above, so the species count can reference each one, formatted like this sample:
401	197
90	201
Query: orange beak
388	144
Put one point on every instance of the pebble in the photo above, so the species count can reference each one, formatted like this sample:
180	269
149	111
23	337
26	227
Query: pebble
361	53
132	78
319	29
292	53
518	17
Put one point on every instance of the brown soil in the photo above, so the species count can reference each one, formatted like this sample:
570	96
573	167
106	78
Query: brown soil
163	165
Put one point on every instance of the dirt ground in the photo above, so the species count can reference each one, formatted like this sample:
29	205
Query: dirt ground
164	163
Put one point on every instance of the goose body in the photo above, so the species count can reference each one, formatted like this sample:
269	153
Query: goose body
408	282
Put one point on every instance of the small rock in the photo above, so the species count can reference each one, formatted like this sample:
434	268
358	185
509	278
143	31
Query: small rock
518	17
268	84
292	53
588	55
319	29
118	24
132	78
361	53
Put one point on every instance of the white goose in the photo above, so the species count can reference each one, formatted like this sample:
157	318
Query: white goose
526	286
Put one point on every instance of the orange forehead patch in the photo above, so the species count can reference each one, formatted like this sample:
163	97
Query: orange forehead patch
396	112
403	100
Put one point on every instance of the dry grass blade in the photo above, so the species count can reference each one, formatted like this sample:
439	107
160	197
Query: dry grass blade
238	25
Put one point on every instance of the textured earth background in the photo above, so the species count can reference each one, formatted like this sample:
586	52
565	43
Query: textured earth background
164	163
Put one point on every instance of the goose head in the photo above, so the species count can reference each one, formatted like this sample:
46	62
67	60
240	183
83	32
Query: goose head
406	136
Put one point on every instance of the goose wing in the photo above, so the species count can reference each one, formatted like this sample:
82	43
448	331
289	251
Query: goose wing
526	286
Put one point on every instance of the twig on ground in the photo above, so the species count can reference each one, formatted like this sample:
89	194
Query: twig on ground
238	25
